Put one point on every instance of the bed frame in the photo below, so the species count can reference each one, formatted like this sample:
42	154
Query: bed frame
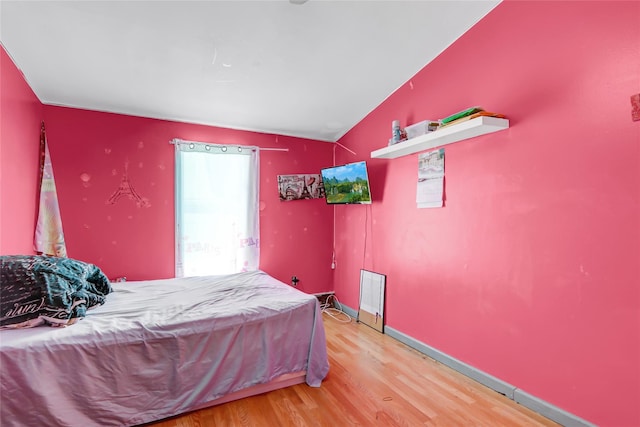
283	381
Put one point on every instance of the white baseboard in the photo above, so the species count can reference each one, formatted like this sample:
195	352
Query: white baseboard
350	311
523	398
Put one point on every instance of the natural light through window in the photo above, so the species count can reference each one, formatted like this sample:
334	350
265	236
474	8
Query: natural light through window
217	230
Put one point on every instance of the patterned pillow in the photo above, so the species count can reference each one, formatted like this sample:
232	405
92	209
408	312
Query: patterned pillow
36	289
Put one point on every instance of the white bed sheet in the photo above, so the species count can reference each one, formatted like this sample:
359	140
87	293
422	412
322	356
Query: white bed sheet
159	348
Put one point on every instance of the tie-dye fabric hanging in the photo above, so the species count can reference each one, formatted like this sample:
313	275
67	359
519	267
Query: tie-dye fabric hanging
49	237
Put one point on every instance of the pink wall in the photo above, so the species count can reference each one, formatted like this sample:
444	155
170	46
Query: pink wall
531	272
20	115
89	151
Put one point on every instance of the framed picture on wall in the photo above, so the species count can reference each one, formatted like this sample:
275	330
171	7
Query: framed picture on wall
300	187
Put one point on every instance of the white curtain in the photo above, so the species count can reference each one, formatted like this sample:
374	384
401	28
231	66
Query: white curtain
217	209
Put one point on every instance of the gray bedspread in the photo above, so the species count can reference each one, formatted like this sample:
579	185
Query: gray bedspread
160	348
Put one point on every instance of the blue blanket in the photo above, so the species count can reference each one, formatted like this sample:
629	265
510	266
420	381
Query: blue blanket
40	289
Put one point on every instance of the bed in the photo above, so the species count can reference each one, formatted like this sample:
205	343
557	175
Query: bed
159	348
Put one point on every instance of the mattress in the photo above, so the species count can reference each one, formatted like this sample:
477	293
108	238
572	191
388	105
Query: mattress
160	348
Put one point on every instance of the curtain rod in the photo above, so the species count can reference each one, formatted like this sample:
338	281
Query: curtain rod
272	149
175	141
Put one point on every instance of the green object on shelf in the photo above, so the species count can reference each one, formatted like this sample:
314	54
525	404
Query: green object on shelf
461	114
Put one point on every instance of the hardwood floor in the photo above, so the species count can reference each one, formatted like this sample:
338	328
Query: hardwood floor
373	380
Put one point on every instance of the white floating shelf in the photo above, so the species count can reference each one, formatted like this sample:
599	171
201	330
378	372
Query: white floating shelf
448	135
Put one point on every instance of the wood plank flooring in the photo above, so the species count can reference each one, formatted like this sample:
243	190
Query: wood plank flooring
374	380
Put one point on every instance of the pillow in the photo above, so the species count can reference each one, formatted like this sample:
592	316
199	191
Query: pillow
37	289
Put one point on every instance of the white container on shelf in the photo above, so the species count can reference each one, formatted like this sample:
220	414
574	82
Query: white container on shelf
396	132
421	128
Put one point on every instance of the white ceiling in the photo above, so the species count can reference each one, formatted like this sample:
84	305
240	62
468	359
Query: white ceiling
312	70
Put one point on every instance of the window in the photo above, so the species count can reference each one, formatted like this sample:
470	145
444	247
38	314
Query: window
217	216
